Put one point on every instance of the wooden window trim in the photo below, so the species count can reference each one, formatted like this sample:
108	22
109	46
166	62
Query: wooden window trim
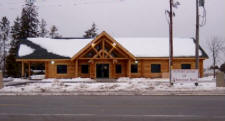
120	69
185	64
62	65
156	71
87	69
132	70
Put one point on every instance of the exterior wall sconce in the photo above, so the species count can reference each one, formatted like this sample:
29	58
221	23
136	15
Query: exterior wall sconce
136	62
52	62
93	45
114	44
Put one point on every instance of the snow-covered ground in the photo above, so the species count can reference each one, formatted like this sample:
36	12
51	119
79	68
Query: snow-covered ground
122	84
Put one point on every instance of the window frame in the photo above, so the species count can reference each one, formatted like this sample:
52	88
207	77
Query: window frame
120	70
82	71
182	65
134	72
158	71
61	72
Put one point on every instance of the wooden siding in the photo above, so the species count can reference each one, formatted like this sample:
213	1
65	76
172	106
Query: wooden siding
51	71
144	67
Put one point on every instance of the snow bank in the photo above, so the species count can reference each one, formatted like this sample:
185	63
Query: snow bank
37	76
122	84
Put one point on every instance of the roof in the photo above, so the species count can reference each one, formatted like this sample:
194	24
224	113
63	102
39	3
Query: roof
46	48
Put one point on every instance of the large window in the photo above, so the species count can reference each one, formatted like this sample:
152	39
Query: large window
84	69
118	68
61	69
134	68
185	66
155	68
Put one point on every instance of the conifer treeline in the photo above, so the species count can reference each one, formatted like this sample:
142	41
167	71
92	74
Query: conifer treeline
27	25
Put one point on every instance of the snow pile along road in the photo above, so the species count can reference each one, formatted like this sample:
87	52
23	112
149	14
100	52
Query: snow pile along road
121	85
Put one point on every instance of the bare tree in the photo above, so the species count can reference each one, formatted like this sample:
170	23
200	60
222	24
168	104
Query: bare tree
215	46
43	30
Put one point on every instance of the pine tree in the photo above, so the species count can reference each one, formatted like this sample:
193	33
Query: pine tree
92	32
29	21
53	32
4	33
43	30
13	68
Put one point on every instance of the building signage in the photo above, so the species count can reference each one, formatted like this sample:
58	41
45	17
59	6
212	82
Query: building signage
185	75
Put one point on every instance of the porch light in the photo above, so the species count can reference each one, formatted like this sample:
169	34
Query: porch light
52	62
93	45
114	44
136	62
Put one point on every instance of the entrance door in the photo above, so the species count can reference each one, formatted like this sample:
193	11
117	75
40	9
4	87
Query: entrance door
102	70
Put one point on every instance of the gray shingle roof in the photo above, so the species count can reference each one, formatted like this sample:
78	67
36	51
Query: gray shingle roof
39	52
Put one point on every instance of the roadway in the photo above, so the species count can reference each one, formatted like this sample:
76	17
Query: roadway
112	108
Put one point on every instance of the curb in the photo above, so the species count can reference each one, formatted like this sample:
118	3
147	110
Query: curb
116	93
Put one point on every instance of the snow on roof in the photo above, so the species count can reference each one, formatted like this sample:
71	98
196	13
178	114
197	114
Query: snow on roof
139	47
25	50
158	47
63	47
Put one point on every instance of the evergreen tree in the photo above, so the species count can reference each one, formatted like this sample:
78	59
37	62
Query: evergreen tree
92	32
43	30
53	32
29	21
4	33
13	68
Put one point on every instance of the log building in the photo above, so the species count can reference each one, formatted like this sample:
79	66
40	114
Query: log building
107	57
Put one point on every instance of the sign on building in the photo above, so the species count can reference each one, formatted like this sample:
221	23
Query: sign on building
185	75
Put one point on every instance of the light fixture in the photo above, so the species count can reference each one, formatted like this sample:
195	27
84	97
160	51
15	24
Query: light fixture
93	45
136	62
52	62
114	44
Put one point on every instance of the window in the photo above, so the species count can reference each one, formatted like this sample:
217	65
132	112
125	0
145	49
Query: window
84	69
155	68
185	66
134	68
61	69
118	68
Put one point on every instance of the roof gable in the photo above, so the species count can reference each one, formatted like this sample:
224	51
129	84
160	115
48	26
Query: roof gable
94	42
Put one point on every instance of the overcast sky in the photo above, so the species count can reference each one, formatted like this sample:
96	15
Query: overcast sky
124	18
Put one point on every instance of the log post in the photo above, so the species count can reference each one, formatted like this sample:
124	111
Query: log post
91	70
22	69
128	68
142	68
46	69
76	68
29	71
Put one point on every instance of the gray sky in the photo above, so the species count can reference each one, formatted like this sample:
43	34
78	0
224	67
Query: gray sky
124	18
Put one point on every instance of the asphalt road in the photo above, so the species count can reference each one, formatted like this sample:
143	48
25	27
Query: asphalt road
112	108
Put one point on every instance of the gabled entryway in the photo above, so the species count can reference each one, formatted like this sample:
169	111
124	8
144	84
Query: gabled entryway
103	55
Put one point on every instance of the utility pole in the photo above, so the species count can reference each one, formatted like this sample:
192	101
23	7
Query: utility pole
199	3
197	36
171	41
